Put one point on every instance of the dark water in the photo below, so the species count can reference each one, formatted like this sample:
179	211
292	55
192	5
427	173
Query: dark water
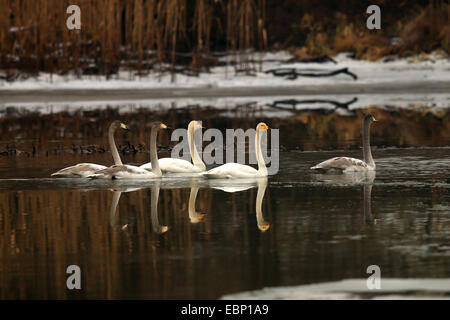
311	228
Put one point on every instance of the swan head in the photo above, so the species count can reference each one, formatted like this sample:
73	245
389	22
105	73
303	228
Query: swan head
264	226
118	124
161	229
262	126
368	118
196	219
158	125
194	125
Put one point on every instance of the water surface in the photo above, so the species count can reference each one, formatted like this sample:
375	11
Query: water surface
210	239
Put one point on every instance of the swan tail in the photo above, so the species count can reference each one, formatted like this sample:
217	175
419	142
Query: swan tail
210	175
96	176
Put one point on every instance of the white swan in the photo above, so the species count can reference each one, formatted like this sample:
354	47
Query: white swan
157	227
240	171
263	225
346	164
134	172
194	216
113	208
174	165
232	186
83	170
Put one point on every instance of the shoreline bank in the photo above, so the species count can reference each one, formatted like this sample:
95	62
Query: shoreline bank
71	95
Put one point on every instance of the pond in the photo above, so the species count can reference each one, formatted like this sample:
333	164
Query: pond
190	238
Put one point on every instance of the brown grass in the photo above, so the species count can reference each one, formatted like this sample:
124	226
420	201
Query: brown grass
136	34
421	30
146	35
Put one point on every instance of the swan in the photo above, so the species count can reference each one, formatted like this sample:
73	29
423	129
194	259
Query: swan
367	205
346	164
83	170
239	186
134	172
262	224
194	216
240	171
174	165
157	228
113	208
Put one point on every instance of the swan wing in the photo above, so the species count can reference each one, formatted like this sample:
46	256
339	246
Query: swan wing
80	170
123	172
173	165
231	171
341	164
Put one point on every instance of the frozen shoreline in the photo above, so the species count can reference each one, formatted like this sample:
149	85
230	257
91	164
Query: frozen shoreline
411	75
123	94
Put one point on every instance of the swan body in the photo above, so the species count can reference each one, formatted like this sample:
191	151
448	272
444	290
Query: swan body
80	170
240	171
233	171
175	165
124	171
134	172
83	170
343	164
346	164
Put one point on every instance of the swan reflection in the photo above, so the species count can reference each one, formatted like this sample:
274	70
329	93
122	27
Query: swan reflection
366	178
113	214
368	205
349	178
117	192
194	216
262	224
232	186
157	228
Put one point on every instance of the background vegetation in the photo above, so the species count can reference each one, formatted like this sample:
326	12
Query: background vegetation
189	35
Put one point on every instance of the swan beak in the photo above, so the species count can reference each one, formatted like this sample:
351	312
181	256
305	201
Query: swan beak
265	227
202	216
374	120
265	127
163	126
163	229
124	126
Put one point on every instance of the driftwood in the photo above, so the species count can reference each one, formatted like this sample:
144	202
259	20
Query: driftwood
293	73
292	103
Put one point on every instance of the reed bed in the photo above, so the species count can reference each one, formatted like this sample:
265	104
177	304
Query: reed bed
139	35
189	36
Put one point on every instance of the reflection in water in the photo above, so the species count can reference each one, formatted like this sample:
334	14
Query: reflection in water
113	208
315	220
262	224
232	186
194	216
347	178
368	205
363	177
159	229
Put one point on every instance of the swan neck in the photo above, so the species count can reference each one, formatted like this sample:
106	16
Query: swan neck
113	147
259	199
367	204
366	145
196	159
114	203
154	153
259	156
154	208
192	200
